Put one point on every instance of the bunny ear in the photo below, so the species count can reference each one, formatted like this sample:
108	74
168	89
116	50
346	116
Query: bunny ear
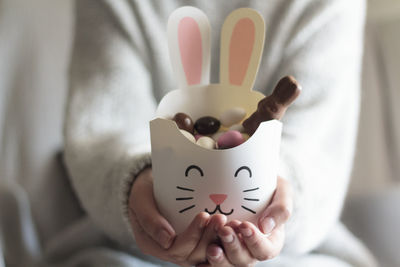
189	46
242	41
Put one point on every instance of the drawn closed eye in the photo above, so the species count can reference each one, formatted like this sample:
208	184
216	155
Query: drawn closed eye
193	167
244	168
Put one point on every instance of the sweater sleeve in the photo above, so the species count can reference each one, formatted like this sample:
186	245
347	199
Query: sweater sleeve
324	53
110	104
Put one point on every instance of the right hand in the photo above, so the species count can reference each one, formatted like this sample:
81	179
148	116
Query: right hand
156	237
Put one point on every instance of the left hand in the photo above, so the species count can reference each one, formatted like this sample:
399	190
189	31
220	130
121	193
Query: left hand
244	244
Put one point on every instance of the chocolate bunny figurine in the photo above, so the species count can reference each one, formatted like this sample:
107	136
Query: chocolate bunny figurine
274	106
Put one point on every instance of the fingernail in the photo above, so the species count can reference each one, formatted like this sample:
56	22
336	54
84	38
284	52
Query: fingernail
227	238
214	256
164	239
246	232
268	224
203	222
217	226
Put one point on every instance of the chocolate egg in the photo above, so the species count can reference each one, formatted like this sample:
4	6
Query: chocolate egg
207	125
206	142
237	127
230	139
188	136
184	122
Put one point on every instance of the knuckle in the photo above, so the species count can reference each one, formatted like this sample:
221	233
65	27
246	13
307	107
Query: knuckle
279	208
282	212
151	225
285	214
234	248
255	243
264	257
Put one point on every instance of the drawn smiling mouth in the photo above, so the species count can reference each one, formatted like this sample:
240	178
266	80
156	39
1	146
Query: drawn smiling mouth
218	208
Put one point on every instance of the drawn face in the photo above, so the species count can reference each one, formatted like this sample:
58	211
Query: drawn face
218	199
236	182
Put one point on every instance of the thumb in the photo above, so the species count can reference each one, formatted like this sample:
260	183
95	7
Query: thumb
280	209
143	205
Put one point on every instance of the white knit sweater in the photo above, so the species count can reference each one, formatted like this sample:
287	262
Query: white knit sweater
120	70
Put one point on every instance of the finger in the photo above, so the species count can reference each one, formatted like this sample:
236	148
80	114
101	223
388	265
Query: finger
182	246
187	241
235	251
235	226
216	256
146	244
209	236
262	247
280	209
153	223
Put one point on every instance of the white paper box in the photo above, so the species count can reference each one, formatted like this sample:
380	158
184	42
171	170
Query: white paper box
189	179
173	154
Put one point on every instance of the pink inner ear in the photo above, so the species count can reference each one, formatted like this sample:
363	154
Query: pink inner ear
240	50
190	46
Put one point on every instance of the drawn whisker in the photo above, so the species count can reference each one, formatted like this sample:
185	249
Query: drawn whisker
246	208
253	189
184	198
185	189
251	199
188	208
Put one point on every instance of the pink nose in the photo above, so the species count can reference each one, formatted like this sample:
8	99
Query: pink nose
218	198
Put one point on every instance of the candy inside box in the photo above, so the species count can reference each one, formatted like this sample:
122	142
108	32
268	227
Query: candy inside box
189	179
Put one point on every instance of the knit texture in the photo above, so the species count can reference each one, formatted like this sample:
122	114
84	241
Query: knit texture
120	70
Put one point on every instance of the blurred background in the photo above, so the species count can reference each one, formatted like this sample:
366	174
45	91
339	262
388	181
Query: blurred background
372	209
35	42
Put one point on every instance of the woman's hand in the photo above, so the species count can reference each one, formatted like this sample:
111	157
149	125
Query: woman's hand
243	244
155	236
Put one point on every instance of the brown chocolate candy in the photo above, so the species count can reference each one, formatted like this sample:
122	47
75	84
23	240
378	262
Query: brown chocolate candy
275	105
207	125
184	122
